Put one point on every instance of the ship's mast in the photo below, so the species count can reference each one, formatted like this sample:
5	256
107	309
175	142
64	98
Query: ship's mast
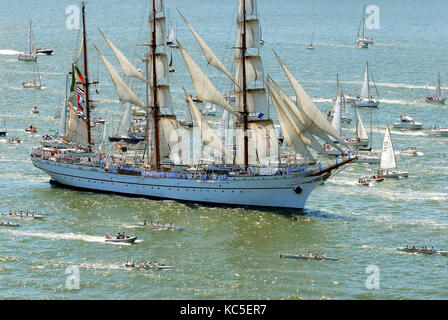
86	77
245	113
154	107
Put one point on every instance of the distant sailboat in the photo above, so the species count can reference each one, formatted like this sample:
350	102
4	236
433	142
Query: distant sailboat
30	52
36	83
362	41
365	99
388	164
3	130
312	45
438	95
345	117
170	66
172	38
361	138
261	37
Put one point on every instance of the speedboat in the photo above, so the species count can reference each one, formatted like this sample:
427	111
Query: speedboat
362	182
407	122
35	110
126	239
409	151
14	140
31	85
44	51
374	178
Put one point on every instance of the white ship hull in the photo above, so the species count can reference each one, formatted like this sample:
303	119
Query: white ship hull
279	191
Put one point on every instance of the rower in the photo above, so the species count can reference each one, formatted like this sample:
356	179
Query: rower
323	255
301	254
310	254
432	249
155	264
144	222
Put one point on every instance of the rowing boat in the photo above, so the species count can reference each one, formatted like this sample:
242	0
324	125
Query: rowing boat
126	240
8	224
150	267
160	226
292	256
429	251
22	215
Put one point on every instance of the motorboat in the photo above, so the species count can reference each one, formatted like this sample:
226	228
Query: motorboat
407	122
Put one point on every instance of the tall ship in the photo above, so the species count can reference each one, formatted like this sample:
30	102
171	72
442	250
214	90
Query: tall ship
241	164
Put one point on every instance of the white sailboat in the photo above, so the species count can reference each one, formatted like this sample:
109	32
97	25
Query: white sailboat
361	138
345	117
172	38
362	41
365	99
312	45
36	83
30	52
438	97
247	179
388	164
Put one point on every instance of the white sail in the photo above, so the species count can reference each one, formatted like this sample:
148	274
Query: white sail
124	92
252	34
188	115
250	6
163	98
77	128
388	160
205	89
124	125
172	35
438	92
254	70
158	6
361	132
160	30
308	106
257	102
293	136
170	137
208	135
208	53
129	70
62	120
337	115
310	128
365	85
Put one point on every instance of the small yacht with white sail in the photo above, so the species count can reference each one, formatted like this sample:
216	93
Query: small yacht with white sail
388	164
312	45
365	99
36	83
362	41
361	138
172	43
30	52
439	96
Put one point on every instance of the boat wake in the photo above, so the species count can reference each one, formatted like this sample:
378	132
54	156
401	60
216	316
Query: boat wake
67	236
9	52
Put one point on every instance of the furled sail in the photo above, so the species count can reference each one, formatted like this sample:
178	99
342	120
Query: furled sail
205	89
124	92
388	160
307	104
171	145
158	6
62	120
438	92
127	67
208	53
